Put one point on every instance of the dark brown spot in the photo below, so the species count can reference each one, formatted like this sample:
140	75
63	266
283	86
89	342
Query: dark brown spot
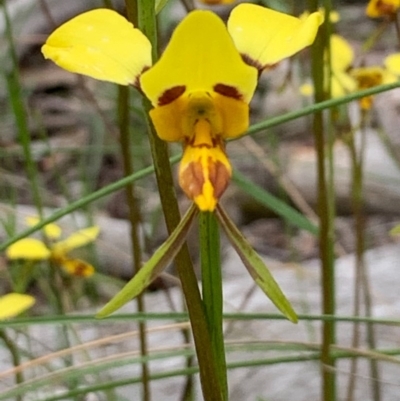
171	94
219	177
136	84
229	91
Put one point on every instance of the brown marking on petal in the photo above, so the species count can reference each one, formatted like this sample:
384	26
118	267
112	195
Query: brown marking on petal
136	83
227	90
191	180
171	94
253	63
219	177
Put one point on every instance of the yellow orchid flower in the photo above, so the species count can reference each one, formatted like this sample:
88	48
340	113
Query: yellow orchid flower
382	8
14	304
35	250
201	86
368	77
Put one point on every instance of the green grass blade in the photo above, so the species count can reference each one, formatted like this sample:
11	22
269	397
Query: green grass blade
149	271
273	203
255	265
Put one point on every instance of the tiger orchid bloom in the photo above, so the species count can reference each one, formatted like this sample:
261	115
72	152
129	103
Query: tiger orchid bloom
201	86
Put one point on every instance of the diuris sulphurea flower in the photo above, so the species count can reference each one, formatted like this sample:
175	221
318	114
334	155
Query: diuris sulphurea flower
200	90
201	86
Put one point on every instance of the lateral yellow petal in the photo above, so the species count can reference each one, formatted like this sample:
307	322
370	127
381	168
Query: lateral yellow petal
76	240
101	44
28	248
13	304
199	56
77	267
52	231
264	36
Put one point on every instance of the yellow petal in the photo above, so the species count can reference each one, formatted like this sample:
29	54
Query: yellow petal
205	171
382	8
101	44
342	54
228	117
13	304
199	56
28	248
52	231
76	240
77	267
264	36
392	63
342	83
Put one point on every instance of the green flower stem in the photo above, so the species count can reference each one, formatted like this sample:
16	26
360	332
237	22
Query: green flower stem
211	278
134	219
208	372
325	207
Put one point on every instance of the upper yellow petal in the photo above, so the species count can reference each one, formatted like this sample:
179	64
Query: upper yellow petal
265	37
28	248
52	231
101	44
76	240
13	304
199	56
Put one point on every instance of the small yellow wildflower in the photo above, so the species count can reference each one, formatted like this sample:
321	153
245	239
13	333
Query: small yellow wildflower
14	304
35	250
382	8
346	79
201	86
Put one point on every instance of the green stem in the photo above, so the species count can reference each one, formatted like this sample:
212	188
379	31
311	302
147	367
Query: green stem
357	156
211	279
326	240
207	364
134	219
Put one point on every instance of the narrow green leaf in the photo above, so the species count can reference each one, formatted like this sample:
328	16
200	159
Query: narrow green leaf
255	265
273	203
149	271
